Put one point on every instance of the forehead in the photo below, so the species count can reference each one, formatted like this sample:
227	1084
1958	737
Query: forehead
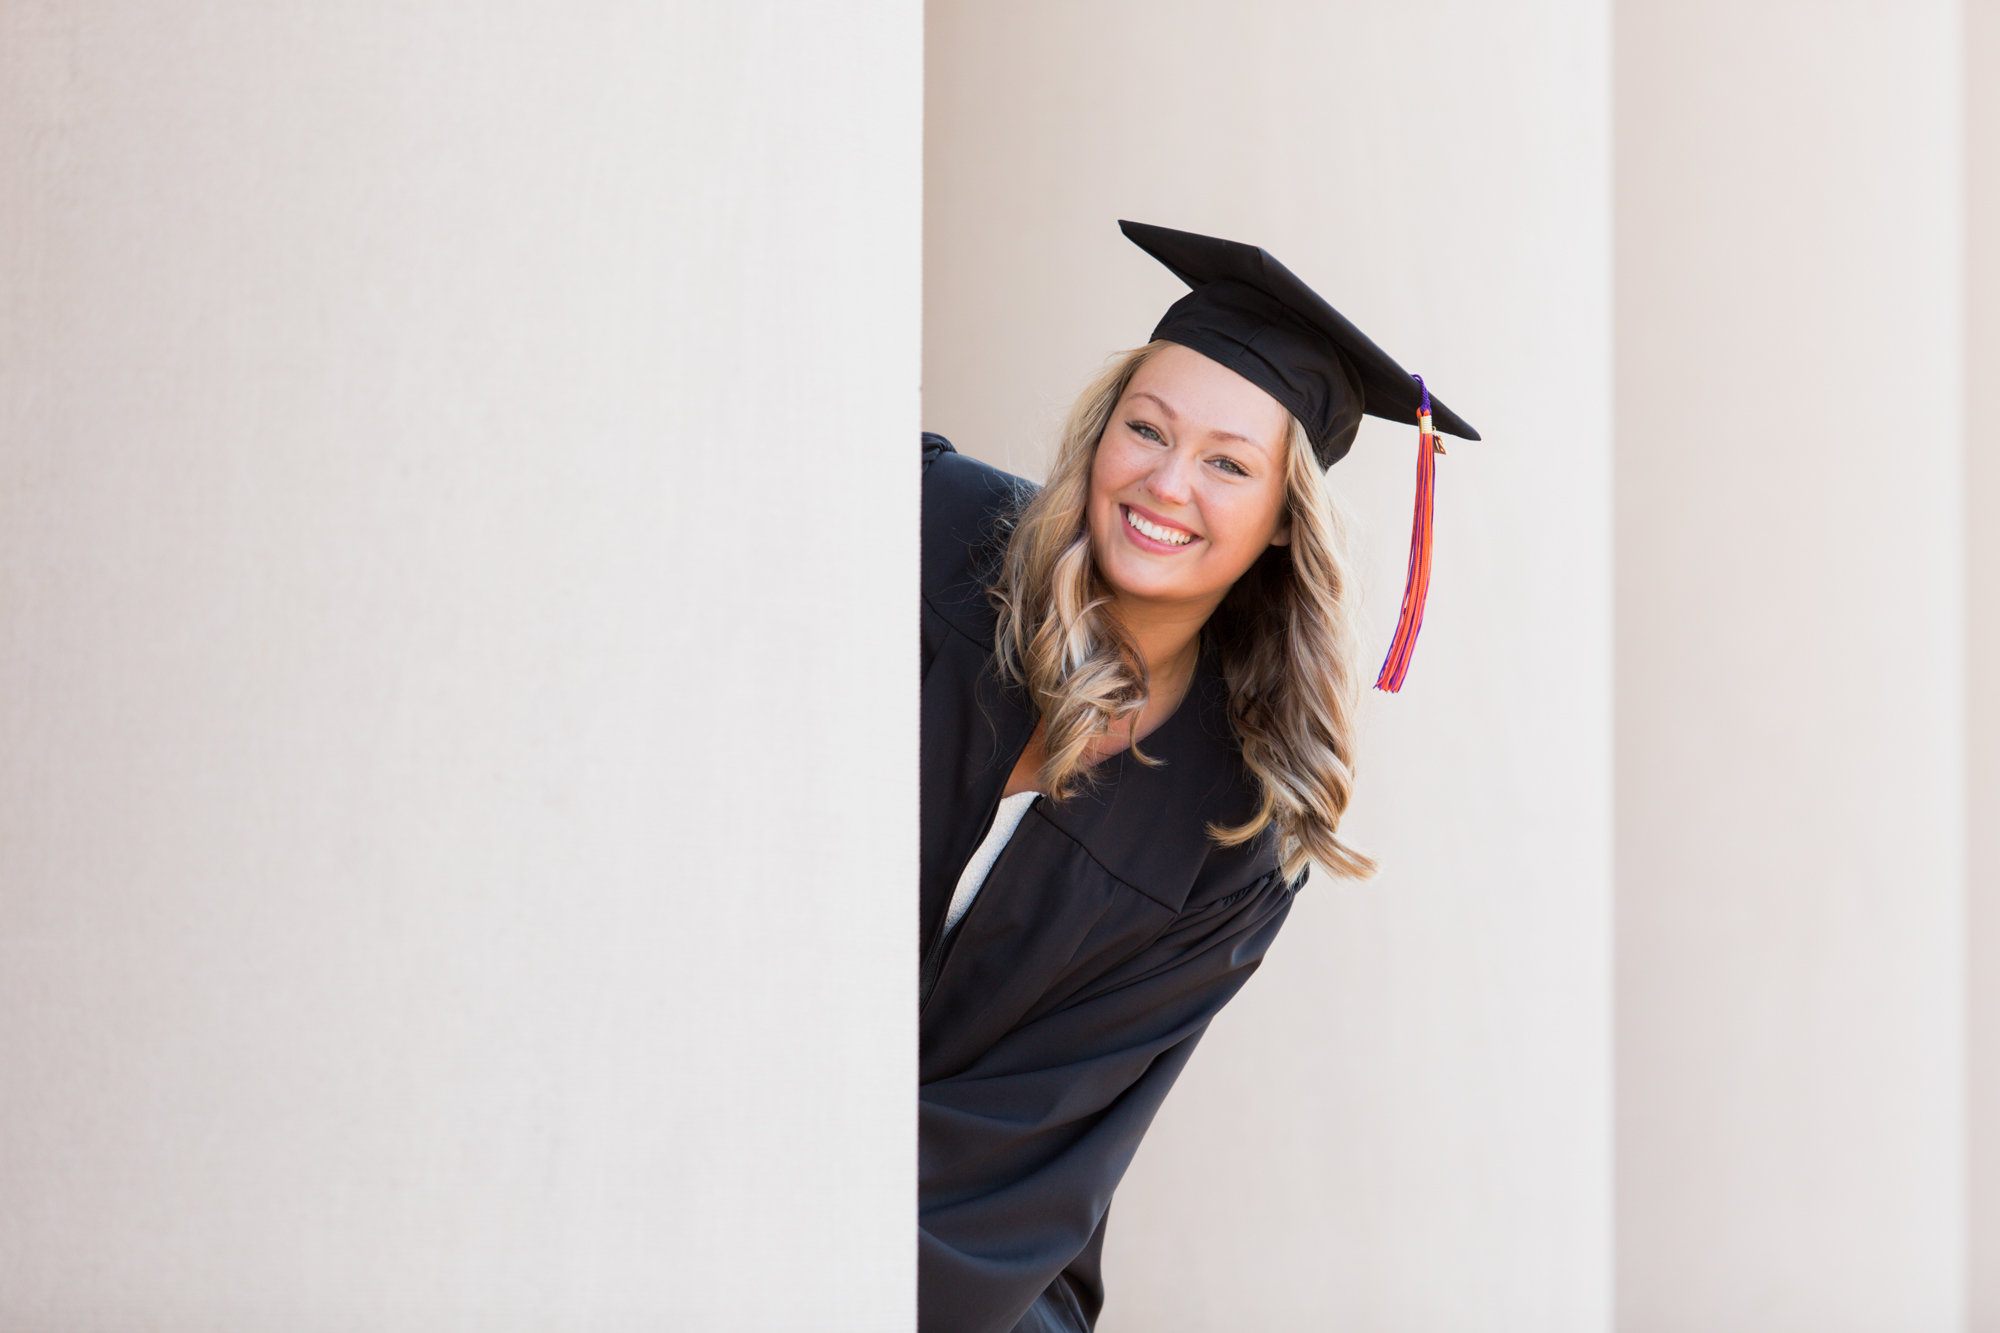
1205	396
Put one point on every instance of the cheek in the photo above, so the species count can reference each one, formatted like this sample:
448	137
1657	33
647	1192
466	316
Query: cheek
1112	469
1245	524
1111	474
1099	508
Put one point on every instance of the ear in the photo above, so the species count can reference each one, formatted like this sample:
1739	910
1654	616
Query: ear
1283	536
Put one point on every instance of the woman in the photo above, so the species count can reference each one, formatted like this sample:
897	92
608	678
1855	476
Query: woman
1139	693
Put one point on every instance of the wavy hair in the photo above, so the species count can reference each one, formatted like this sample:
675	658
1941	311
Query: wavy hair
1284	635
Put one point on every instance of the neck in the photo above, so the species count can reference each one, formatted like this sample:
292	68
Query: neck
1168	638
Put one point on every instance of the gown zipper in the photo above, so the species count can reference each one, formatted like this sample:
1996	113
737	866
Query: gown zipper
940	946
934	956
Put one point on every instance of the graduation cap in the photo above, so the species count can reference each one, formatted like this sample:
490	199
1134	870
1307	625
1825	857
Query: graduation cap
1250	313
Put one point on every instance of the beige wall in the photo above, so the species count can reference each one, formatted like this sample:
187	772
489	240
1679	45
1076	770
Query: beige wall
1397	1125
1982	390
1404	1121
428	437
1790	667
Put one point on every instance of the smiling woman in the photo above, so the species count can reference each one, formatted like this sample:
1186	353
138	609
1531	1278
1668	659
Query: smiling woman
1178	477
1138	702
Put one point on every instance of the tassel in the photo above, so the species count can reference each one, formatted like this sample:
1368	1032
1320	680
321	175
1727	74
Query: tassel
1418	582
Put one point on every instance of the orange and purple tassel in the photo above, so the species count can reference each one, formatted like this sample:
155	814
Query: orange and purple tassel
1418	582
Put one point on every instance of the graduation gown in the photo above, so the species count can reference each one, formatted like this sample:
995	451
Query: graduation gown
1112	928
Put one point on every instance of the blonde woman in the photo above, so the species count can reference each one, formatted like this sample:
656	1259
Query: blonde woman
1139	689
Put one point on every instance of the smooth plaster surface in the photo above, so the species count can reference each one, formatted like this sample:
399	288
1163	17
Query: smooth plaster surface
1982	515
1791	668
457	481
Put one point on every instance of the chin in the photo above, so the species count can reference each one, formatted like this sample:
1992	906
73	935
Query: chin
1144	583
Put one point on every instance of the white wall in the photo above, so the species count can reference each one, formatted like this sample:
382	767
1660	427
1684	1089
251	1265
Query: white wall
1982	468
1404	1121
457	740
1790	667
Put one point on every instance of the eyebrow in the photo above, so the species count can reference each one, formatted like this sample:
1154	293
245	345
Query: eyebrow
1213	435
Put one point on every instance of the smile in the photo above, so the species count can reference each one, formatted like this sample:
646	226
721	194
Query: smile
1159	532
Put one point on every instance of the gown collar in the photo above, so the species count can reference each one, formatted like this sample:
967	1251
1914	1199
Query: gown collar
1148	825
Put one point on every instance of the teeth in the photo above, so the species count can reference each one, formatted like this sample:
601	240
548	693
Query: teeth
1171	536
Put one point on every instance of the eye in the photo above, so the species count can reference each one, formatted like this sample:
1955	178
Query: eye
1230	466
1145	432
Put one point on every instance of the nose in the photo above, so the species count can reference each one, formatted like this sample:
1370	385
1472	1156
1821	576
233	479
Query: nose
1173	480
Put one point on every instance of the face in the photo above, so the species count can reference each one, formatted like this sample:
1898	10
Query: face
1188	487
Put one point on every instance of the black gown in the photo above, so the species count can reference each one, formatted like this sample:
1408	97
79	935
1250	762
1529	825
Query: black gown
1110	931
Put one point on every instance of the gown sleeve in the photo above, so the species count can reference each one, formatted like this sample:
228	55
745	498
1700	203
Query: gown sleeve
934	446
1019	1153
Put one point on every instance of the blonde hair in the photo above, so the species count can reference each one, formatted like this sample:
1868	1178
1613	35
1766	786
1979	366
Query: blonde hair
1284	635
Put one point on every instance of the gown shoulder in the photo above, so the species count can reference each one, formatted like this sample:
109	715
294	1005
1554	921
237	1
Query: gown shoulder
968	511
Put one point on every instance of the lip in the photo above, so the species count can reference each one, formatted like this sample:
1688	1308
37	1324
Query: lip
1145	543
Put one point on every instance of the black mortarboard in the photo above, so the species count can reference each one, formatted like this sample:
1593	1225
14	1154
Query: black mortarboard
1252	314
